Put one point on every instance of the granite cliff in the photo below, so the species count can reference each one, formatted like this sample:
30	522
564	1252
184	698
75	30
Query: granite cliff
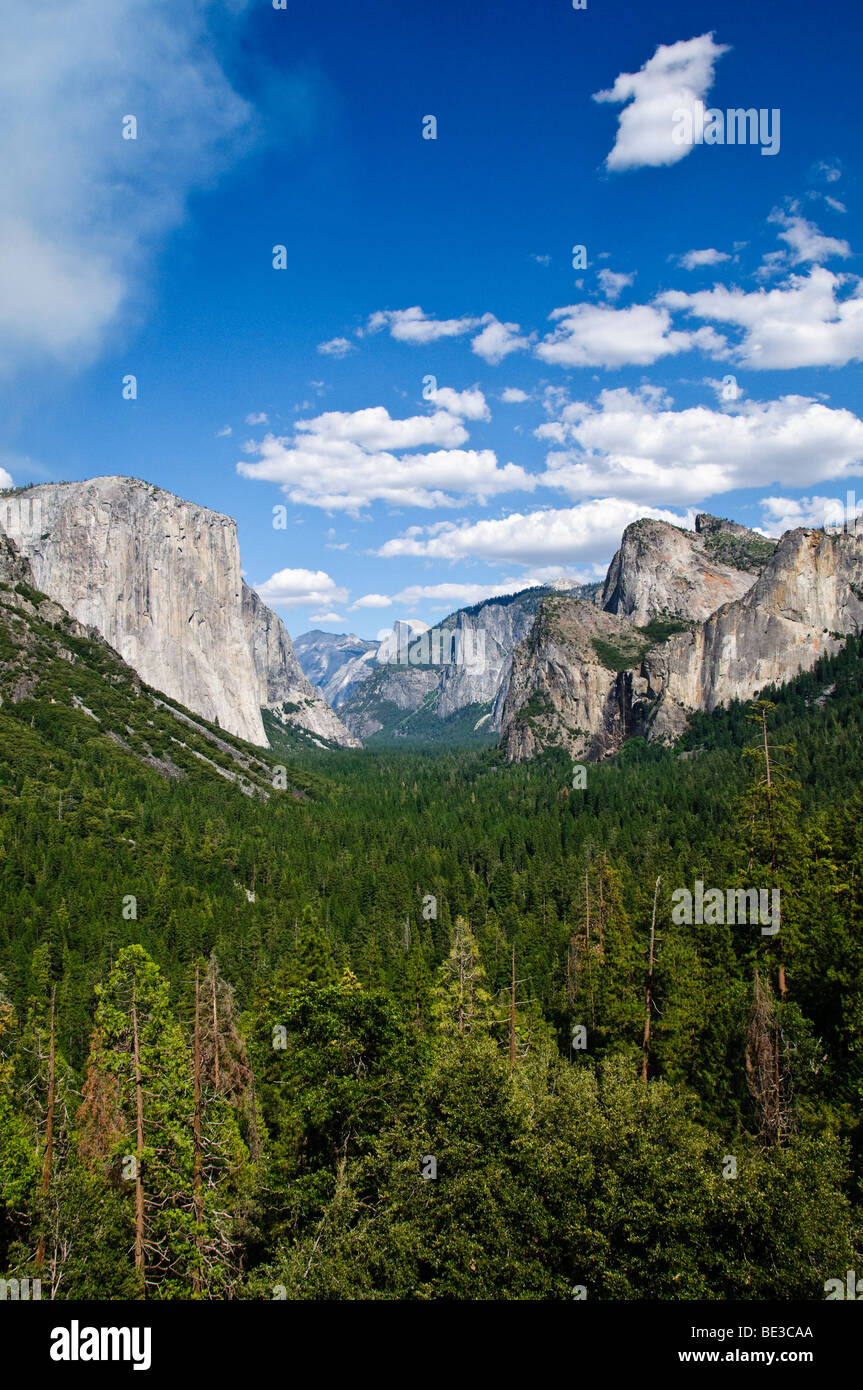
159	579
586	688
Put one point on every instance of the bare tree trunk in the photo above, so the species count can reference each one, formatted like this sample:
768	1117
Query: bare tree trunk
139	1138
48	1159
764	1074
645	1045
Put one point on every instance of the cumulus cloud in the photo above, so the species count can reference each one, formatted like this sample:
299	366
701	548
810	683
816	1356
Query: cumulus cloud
513	395
6	479
224	432
633	444
497	340
585	533
85	208
342	461
297	588
325	618
807	243
803	323
336	347
786	513
469	405
259	417
414	326
674	79
694	260
594	335
373	601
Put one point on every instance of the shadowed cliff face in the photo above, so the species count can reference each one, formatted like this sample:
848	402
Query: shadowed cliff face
584	689
159	578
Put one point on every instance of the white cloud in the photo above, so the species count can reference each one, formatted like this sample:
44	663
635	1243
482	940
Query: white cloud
694	260
224	432
469	405
6	479
373	601
594	335
678	75
336	347
342	461
373	428
634	445
325	618
513	395
258	418
612	282
414	326
450	596
834	203
297	588
807	243
588	532
497	340
800	324
85	208
786	513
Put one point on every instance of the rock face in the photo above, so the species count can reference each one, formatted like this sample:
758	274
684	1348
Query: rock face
464	662
665	571
804	604
159	578
587	689
565	690
335	664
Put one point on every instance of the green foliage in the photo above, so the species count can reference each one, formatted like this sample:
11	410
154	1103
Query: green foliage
368	911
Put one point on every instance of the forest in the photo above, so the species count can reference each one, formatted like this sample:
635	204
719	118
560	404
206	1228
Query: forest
418	1024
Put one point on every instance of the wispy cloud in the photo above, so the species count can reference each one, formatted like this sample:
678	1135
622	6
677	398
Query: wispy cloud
84	208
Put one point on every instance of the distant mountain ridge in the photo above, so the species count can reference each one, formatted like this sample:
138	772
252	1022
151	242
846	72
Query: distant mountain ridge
685	620
661	574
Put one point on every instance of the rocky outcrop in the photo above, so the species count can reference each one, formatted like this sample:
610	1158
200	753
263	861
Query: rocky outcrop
282	686
159	578
663	571
569	686
586	689
806	601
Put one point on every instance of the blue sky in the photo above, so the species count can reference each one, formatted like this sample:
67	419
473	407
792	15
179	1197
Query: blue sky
708	355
